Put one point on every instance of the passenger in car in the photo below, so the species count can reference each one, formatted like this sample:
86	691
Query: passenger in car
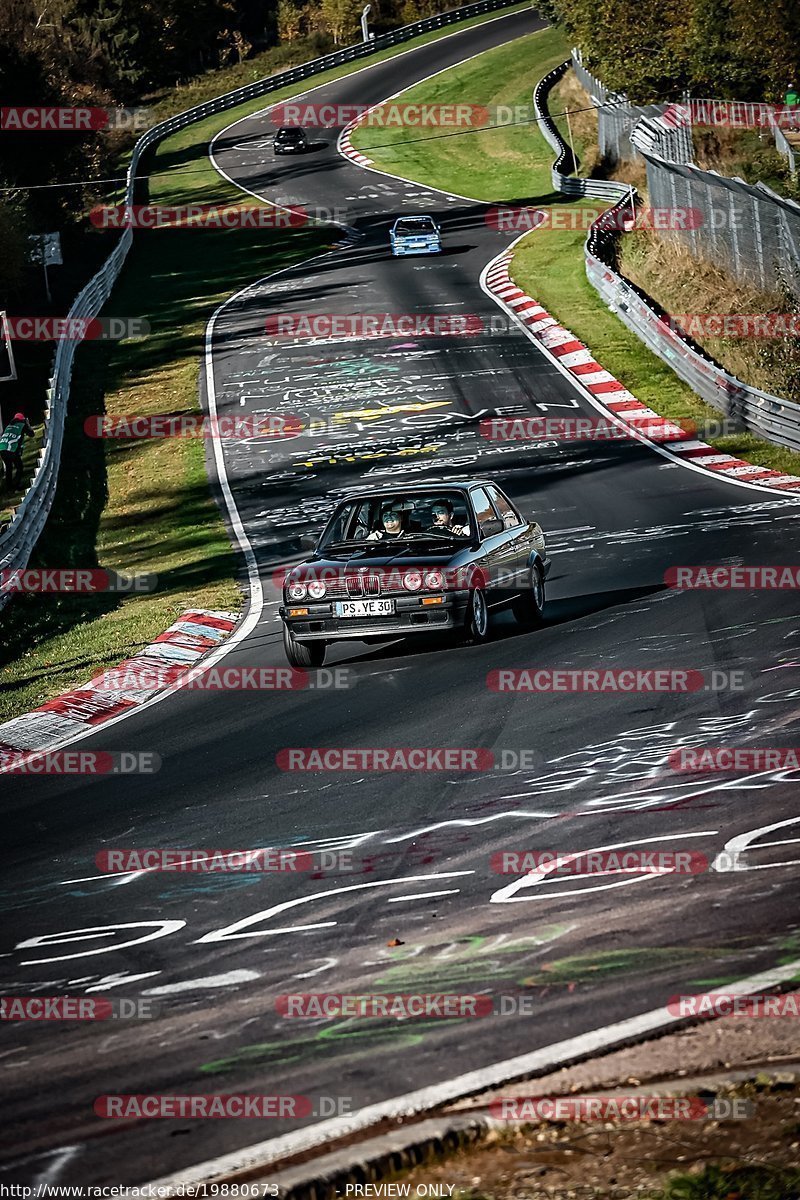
392	525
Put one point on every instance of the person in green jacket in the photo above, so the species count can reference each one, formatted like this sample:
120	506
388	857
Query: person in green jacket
12	442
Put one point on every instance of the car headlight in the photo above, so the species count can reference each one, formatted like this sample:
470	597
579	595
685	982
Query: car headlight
316	589
297	590
412	581
435	580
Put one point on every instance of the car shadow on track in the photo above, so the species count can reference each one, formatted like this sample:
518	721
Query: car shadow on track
503	627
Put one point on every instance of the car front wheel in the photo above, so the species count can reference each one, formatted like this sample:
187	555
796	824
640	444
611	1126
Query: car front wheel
302	654
476	618
528	606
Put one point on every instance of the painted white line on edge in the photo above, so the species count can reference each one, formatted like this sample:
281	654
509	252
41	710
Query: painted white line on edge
263	1154
255	605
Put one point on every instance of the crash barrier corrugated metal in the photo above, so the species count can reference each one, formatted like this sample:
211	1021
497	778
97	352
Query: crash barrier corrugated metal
19	538
770	417
748	230
783	147
563	179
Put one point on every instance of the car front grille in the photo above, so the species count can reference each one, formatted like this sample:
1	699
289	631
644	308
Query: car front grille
352	585
363	583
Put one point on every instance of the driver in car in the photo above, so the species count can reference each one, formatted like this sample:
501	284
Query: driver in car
392	521
442	512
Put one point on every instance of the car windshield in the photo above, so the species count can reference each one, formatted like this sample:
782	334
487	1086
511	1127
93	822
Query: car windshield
429	521
289	135
415	225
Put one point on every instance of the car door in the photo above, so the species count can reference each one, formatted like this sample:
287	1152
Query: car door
494	541
516	551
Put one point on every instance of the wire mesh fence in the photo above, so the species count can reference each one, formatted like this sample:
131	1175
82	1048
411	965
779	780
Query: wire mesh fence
771	417
748	230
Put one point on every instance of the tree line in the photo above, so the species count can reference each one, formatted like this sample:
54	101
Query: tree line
721	49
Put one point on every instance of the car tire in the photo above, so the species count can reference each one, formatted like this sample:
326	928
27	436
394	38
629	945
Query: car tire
529	605
476	618
302	654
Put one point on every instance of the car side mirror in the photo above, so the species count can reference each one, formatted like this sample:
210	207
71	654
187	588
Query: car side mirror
308	541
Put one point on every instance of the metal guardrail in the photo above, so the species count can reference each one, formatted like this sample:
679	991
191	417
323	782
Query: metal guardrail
783	147
19	539
770	417
616	116
563	179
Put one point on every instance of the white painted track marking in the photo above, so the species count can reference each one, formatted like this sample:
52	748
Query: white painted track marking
536	1062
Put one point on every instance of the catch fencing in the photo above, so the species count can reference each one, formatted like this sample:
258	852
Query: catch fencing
748	230
770	417
18	540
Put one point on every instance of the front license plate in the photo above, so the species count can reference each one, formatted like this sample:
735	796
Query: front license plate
364	608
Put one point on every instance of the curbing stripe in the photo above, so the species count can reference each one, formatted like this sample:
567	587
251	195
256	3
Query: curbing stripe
90	705
581	364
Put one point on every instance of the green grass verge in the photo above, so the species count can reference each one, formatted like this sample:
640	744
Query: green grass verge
506	165
143	507
762	1182
508	161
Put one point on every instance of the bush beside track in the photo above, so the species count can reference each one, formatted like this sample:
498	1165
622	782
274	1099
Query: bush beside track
511	166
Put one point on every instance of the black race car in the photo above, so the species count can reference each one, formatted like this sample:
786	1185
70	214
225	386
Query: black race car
396	561
290	139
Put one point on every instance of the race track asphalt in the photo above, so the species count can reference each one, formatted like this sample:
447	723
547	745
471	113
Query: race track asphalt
590	951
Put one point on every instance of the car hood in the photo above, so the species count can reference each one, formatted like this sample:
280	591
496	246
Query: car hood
381	560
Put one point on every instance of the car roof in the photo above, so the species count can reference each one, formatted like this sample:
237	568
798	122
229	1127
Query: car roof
455	485
290	129
415	217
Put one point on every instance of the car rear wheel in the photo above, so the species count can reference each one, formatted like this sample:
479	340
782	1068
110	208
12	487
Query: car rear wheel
302	654
476	618
528	606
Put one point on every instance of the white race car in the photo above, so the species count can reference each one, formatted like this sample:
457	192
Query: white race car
415	235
